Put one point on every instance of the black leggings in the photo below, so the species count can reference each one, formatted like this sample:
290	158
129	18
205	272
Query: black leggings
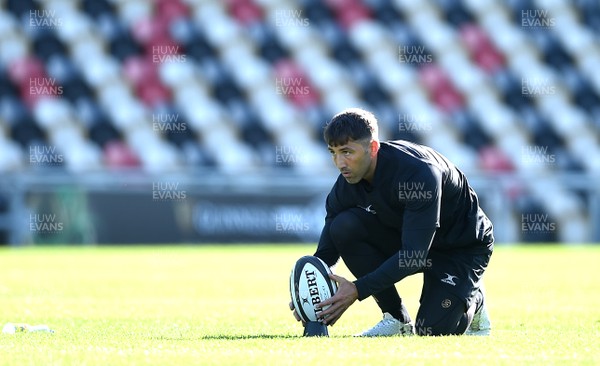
364	243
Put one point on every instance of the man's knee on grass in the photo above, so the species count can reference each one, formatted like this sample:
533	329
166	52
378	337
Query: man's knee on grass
446	315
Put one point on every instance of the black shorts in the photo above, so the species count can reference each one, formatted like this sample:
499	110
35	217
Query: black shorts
450	292
457	272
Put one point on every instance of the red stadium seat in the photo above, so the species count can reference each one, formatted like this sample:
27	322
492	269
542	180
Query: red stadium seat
348	12
170	10
440	88
483	52
490	60
157	37
355	13
338	5
292	82
163	49
29	75
434	78
153	93
287	69
493	159
154	33
474	38
118	155
145	30
245	11
21	71
449	100
139	68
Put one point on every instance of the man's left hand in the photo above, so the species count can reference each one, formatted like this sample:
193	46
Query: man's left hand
345	296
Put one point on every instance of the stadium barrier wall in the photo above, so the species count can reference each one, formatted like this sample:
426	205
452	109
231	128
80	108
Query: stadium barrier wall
129	207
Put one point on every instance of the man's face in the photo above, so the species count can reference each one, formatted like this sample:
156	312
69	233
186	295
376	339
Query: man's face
353	159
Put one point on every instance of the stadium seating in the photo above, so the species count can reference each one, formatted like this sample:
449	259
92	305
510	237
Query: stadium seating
490	82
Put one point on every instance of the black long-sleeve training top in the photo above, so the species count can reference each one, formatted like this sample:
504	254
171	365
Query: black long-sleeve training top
420	193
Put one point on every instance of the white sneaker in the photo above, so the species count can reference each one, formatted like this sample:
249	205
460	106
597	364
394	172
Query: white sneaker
481	324
388	326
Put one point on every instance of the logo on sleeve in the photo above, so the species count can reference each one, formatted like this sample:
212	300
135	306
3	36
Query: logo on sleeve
368	209
449	279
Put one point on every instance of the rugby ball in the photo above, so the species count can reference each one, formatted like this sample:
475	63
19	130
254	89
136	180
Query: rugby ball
310	285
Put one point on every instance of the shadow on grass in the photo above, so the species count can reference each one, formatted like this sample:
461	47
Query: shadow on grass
227	337
233	337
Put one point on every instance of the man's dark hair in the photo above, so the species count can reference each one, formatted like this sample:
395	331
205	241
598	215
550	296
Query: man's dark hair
351	124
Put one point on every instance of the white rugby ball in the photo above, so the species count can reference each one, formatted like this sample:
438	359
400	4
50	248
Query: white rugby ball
310	285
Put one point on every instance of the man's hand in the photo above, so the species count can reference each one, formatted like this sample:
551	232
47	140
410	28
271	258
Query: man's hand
295	313
345	296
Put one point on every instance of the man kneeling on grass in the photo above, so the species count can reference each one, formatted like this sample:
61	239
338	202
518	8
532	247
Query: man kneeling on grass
396	209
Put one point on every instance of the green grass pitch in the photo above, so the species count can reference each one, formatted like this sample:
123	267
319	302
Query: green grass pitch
227	305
